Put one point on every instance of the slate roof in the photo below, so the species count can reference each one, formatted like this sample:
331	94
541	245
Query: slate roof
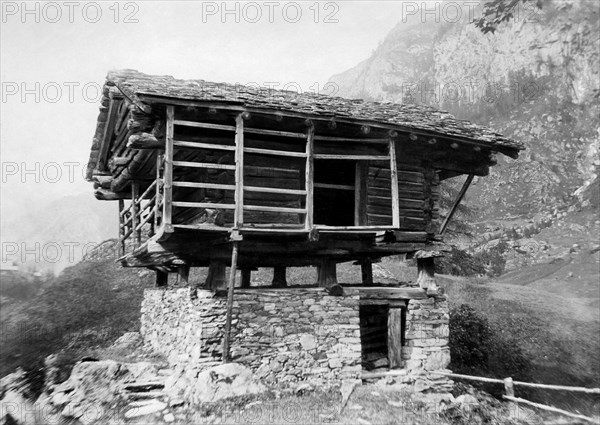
418	117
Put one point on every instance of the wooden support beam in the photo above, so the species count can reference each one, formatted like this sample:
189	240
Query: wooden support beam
168	171
279	278
215	279
246	278
459	198
184	274
366	269
327	273
394	185
426	274
309	178
394	337
229	307
238	217
159	184
162	279
360	193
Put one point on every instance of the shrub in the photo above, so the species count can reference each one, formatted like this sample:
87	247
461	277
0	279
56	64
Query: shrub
477	348
459	263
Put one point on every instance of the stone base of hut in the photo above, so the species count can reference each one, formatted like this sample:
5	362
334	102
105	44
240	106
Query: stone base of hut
290	335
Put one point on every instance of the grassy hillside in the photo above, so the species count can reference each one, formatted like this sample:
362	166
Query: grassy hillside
88	305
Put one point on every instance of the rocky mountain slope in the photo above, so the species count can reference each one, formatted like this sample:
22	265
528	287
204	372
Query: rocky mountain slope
535	80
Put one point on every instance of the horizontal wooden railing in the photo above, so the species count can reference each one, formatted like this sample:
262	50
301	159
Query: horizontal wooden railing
509	385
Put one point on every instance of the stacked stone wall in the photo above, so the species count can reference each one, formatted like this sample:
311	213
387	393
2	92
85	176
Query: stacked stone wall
285	335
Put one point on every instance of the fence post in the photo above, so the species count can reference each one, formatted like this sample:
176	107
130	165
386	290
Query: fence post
509	389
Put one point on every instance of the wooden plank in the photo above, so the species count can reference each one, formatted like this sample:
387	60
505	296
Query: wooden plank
198	145
459	198
351	140
266	132
168	171
274	190
361	198
322	227
209	126
232	275
203	165
388	293
394	185
394	337
204	185
203	205
334	186
275	152
274	209
353	157
238	217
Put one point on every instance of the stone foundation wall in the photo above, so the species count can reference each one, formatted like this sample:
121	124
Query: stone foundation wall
427	330
285	335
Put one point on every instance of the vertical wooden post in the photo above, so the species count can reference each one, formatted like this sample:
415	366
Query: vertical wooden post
366	269
426	273
509	389
158	190
246	278
327	273
394	184
360	193
135	212
168	172
239	172
309	179
232	273
121	228
279	280
216	276
162	279
394	340
184	274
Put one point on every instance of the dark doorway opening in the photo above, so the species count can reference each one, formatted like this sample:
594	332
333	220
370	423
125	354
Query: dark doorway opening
374	336
334	192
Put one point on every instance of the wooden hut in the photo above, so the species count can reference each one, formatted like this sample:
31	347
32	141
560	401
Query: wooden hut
218	175
290	179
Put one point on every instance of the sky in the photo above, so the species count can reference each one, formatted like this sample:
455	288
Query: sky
55	56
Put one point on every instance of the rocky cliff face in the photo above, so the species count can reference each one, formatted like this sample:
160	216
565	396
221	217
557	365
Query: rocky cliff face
535	79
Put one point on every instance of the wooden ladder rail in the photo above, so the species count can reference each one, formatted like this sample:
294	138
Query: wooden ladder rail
168	171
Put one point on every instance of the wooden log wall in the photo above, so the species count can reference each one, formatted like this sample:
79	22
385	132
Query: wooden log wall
414	193
259	171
